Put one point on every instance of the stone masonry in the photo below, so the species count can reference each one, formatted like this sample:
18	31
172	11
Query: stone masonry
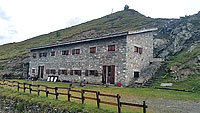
130	53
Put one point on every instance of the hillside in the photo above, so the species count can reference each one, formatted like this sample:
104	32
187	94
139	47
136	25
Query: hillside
14	55
173	36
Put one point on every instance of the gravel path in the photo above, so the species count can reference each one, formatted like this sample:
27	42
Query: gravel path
173	106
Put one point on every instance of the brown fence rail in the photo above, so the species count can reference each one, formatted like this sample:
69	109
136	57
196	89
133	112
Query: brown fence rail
28	87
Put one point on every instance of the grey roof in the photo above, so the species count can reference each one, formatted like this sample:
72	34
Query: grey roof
96	38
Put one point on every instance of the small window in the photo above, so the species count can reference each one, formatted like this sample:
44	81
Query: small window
47	71
78	51
53	53
63	52
34	55
53	71
59	72
67	52
93	50
94	72
138	49
44	54
33	70
136	74
111	48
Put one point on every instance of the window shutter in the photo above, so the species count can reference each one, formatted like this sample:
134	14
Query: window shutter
140	50
95	73
135	49
65	72
47	71
79	72
86	72
71	72
59	72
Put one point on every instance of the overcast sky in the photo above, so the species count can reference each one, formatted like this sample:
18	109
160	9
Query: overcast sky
23	19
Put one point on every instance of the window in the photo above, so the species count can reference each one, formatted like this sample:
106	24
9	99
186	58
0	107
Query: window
111	48
34	55
65	52
33	70
44	54
53	71
77	72
91	72
138	49
47	71
53	53
78	51
93	50
136	74
63	72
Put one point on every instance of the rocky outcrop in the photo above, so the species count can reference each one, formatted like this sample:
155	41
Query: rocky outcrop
174	37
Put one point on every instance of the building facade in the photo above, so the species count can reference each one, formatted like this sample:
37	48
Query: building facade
107	59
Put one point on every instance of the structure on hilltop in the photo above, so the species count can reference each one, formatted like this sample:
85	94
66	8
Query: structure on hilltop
107	59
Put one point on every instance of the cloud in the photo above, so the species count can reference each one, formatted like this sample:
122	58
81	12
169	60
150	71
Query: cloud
3	15
74	21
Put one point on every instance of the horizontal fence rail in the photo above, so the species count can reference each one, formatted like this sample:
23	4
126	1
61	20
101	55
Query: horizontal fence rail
29	87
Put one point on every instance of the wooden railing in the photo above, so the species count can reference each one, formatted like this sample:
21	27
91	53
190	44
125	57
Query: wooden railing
27	86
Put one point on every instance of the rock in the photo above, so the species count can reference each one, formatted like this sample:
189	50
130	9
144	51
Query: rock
166	84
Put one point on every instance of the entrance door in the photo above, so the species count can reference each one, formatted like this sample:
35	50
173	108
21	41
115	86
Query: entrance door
108	74
40	71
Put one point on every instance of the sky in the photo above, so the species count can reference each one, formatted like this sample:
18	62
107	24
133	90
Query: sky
24	19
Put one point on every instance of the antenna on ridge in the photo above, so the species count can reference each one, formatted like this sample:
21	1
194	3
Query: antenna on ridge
112	11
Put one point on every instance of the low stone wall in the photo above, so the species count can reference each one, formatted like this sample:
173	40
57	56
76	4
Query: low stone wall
20	106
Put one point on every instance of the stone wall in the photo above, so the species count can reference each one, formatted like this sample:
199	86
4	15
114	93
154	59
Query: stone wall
85	60
136	61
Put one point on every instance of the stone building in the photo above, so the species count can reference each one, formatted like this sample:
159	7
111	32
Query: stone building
107	59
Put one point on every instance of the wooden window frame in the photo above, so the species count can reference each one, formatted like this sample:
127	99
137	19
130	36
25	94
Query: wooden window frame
53	53
93	49
47	71
111	47
33	71
34	55
78	51
72	72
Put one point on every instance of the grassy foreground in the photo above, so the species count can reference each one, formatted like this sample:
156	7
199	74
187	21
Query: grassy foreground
133	95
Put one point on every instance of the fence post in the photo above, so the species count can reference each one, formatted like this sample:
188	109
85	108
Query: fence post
82	96
68	92
46	91
18	86
144	107
24	87
56	92
30	88
119	104
38	89
98	100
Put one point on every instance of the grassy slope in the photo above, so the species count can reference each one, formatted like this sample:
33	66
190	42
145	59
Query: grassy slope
127	94
192	82
120	21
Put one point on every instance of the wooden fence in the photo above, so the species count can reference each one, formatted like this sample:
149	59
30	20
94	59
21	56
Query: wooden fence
27	86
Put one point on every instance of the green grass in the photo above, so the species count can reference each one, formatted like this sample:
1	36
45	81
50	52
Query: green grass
127	95
183	57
